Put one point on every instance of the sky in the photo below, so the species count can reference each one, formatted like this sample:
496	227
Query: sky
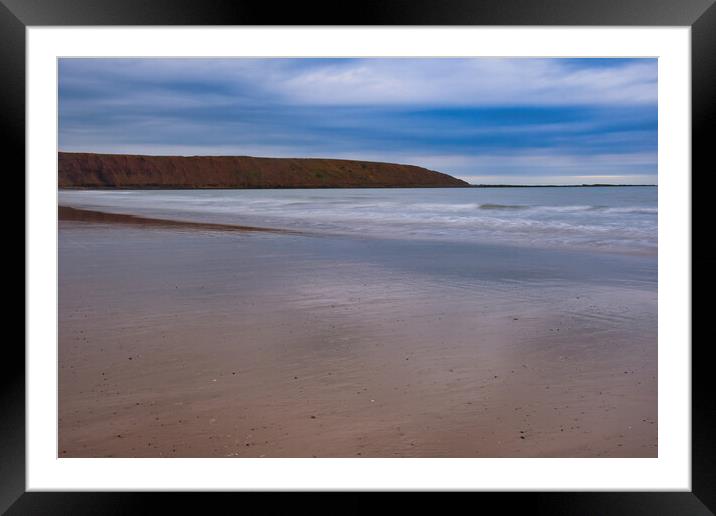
484	120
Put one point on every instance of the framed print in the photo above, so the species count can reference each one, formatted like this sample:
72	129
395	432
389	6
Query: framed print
435	247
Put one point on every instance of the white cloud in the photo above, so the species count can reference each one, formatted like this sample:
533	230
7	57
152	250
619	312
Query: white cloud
356	82
470	82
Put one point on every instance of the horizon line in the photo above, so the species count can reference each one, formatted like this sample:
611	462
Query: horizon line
473	185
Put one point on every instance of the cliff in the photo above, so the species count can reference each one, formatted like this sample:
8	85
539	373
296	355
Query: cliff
82	170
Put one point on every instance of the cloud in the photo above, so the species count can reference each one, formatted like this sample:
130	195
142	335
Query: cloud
469	117
370	81
471	82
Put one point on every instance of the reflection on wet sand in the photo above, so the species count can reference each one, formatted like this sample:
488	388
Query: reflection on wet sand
252	344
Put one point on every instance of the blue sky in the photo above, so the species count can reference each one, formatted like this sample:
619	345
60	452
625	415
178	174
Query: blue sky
485	120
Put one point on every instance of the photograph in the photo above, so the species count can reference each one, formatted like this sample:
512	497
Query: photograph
408	247
357	257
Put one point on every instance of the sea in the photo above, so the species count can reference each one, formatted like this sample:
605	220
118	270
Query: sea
603	219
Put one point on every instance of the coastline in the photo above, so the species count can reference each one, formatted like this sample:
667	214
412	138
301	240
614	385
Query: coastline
621	220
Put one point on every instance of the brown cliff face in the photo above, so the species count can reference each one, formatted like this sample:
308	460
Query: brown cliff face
82	170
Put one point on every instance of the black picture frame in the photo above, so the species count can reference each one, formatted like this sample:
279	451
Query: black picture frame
700	15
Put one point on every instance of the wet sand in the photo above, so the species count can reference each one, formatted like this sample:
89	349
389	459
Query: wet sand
67	213
185	341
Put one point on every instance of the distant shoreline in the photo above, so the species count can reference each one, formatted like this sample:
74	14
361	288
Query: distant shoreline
595	185
336	187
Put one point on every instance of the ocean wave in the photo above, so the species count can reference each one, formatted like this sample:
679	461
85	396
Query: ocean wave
598	221
578	208
504	207
635	210
536	208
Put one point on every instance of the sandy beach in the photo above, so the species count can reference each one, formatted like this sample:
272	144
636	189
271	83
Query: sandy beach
190	340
